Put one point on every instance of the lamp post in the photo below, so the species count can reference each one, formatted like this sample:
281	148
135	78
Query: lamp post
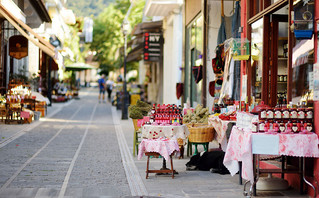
125	28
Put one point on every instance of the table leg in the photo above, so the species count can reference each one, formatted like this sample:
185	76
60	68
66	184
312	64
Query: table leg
240	173
165	168
304	178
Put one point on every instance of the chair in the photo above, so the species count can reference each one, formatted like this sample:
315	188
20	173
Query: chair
41	107
30	103
136	138
190	149
13	111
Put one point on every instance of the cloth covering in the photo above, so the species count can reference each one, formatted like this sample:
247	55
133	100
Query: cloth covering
165	147
239	148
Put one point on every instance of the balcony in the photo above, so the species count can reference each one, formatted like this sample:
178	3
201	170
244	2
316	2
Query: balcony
161	7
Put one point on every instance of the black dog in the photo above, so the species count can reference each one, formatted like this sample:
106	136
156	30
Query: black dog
205	161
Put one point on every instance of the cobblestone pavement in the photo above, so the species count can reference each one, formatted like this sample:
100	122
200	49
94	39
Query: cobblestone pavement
83	149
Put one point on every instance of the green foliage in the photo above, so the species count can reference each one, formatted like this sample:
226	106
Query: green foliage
72	42
85	8
108	37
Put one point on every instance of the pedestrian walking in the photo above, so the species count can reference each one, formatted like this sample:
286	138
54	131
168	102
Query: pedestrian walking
101	82
109	88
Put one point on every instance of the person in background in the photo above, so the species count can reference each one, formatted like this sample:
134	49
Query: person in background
109	88
101	82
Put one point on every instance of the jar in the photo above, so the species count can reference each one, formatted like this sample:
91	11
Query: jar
270	113
285	78
293	113
254	127
281	78
309	113
285	113
261	126
263	114
282	127
267	126
295	127
275	126
301	113
308	126
277	113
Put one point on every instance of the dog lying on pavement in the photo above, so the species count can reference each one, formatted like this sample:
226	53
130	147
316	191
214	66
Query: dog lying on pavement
208	161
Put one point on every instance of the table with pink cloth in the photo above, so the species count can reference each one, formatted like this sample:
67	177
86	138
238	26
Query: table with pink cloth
170	131
220	127
243	144
164	146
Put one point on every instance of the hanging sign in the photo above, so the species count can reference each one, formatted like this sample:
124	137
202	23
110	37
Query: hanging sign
152	46
18	46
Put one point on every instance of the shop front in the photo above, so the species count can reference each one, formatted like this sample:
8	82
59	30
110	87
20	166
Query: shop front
281	71
18	101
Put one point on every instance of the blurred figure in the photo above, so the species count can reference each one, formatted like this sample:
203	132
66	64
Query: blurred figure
101	82
109	88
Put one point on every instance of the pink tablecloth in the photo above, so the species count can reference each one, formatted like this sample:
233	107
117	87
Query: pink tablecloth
220	127
165	147
239	148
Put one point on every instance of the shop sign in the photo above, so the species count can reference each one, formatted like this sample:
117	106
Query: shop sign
152	46
18	46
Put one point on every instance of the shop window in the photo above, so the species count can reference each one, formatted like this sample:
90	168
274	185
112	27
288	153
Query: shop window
256	57
302	71
194	47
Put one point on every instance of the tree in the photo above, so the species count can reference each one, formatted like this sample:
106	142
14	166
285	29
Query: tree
107	34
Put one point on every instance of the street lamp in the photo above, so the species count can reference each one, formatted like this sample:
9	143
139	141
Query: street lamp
125	27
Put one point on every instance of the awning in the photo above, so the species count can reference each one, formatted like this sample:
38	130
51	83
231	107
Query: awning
79	67
42	44
161	7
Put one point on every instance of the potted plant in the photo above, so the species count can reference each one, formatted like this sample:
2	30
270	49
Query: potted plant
138	111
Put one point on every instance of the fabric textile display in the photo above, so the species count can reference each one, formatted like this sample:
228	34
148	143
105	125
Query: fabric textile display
217	62
211	88
179	90
197	73
236	23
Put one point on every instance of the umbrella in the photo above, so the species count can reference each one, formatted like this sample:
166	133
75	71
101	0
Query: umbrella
222	31
40	97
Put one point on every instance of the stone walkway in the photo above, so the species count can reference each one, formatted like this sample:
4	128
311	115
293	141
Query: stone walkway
83	149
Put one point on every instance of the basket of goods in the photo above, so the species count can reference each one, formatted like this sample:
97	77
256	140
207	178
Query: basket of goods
200	132
197	124
200	115
138	111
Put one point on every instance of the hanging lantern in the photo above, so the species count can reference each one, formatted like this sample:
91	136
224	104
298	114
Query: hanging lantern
303	19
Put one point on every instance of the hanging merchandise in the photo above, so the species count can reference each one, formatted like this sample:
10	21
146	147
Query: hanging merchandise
236	21
211	88
222	31
303	19
217	62
198	73
179	90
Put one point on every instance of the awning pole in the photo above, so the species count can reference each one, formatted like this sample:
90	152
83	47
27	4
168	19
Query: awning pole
40	45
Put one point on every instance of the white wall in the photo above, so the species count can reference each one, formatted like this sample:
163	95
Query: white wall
33	52
214	15
172	62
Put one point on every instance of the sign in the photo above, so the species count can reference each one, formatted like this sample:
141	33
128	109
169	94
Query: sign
152	46
18	46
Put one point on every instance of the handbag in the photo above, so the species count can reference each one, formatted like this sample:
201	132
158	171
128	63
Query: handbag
198	73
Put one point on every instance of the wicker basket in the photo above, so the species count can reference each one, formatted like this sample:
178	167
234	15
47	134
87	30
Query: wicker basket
200	133
136	128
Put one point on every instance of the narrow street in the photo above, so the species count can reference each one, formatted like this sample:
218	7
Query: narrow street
74	152
83	149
